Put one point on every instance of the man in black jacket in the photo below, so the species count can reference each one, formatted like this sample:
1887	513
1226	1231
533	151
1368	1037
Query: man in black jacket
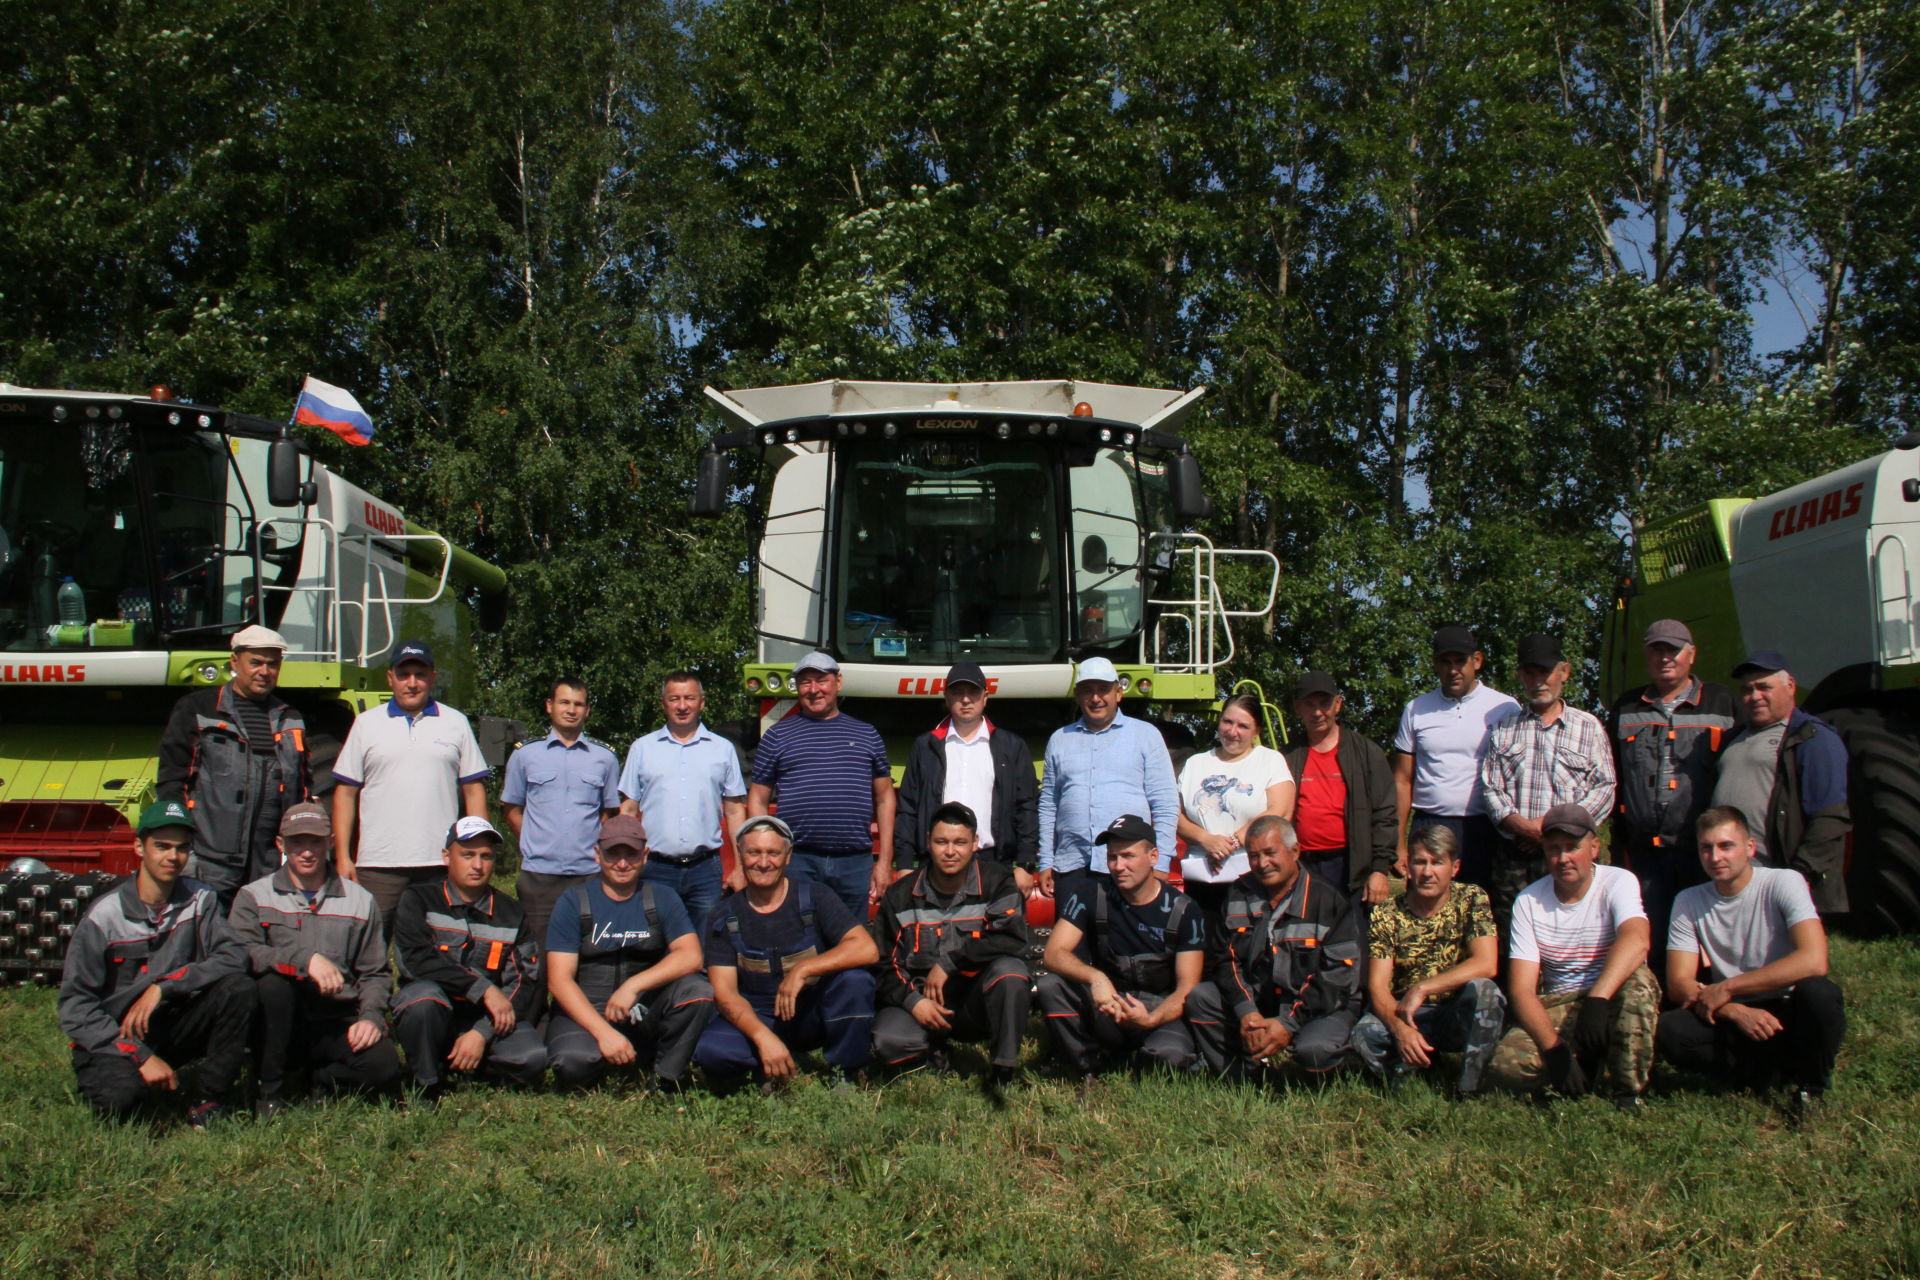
966	759
236	756
952	954
1344	813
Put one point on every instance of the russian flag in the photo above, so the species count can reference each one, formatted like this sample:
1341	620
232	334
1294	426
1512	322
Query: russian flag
322	404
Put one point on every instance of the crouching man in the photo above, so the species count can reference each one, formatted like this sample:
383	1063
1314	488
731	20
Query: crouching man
154	979
1434	955
623	964
1285	959
1577	975
469	973
789	967
1747	964
1147	944
953	944
320	968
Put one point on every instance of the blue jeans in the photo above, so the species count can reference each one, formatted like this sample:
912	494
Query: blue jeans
699	886
835	1014
848	875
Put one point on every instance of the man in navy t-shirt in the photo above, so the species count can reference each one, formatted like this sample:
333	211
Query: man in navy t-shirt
623	964
834	785
789	969
1147	943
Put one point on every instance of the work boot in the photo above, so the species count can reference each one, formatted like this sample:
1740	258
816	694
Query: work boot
266	1110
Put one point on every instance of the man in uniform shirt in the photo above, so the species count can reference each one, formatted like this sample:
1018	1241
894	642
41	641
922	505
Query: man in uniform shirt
1747	964
236	756
1103	765
623	965
556	792
1787	774
320	969
835	787
1146	950
969	759
1543	755
1344	812
469	973
684	782
790	970
1438	748
1667	736
154	979
1577	981
406	771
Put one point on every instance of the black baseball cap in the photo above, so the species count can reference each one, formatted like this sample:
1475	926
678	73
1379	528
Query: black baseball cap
411	651
966	673
1455	639
1317	682
1126	829
1540	651
1761	662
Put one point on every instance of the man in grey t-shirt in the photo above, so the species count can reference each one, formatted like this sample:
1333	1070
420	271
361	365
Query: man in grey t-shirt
1748	768
1747	965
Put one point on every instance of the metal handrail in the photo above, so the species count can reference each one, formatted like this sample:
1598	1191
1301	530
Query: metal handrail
369	599
329	574
1205	613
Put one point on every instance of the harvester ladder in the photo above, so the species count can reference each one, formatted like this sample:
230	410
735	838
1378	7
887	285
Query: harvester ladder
1204	614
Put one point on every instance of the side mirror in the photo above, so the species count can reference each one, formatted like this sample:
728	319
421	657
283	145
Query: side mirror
283	475
710	489
1093	554
1189	496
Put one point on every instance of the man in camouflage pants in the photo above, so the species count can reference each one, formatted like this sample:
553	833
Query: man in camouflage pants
1578	985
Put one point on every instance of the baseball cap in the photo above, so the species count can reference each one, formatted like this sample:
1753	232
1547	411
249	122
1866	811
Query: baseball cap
306	819
966	673
1455	639
470	828
1569	818
818	661
1096	669
411	651
1761	662
765	822
1669	631
164	813
623	831
1316	682
1126	829
1540	651
258	637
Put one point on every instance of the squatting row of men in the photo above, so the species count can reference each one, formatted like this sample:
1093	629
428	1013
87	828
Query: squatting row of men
1285	944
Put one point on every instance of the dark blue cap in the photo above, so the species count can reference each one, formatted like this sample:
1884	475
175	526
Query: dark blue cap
1761	662
966	673
411	651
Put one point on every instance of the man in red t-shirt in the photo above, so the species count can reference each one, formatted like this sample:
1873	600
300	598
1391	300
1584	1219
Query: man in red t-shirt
1345	810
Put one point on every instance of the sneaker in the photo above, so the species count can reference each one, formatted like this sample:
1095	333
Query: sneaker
267	1110
205	1115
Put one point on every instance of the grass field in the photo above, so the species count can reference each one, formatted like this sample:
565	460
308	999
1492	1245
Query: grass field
926	1177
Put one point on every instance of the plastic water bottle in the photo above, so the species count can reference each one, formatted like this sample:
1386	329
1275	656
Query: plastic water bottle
73	604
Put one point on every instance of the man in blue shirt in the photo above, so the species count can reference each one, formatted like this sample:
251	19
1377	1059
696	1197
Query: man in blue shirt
558	789
835	786
684	782
1101	767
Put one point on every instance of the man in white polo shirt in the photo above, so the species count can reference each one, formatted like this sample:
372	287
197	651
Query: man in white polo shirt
1577	979
1438	749
406	771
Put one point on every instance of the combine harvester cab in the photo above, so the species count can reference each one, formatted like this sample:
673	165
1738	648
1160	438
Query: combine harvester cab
1823	573
903	527
137	534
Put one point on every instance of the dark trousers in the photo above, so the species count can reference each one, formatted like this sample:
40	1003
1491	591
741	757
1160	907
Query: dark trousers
849	875
1081	881
835	1015
1209	896
1477	836
991	1006
1514	868
1082	1034
295	1026
426	1023
538	892
1813	1021
1319	1045
1663	871
663	1038
212	1027
386	884
699	886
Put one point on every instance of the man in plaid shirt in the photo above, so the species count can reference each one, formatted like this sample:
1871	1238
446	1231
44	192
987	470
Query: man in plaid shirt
1544	754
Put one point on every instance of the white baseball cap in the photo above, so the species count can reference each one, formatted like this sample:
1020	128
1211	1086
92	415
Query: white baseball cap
1097	669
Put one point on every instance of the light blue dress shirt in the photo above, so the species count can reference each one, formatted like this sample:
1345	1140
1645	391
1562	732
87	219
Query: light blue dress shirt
561	791
1093	777
679	785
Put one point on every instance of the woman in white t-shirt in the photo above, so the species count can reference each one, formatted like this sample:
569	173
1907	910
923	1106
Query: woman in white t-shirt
1221	792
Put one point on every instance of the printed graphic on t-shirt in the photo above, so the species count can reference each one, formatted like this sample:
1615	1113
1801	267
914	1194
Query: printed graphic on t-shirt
1216	795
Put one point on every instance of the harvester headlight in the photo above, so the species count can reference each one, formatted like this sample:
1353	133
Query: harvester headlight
1146	688
753	684
859	428
114	411
93	411
889	430
841	427
205	422
793	435
1106	436
208	672
1053	428
1126	682
767	438
59	413
1034	428
173	418
774	682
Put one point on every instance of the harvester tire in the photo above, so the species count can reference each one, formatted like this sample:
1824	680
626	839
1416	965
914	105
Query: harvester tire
1883	787
38	913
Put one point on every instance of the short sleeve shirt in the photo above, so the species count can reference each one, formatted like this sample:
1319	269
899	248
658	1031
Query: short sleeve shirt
1320	812
562	790
824	771
1745	781
1221	796
679	787
409	770
1447	738
1136	931
1569	940
1421	948
1748	931
617	926
777	932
